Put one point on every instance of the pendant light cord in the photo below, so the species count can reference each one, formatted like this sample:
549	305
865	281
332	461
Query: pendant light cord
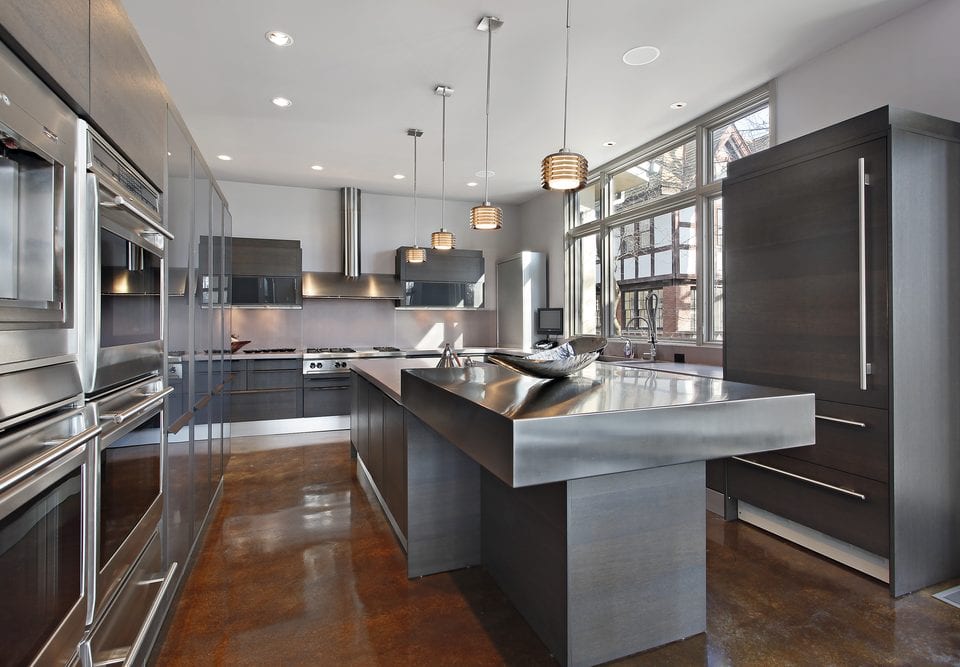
566	80
486	141
443	157
414	190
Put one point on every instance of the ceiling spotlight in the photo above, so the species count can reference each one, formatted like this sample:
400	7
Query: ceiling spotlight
399	177
678	105
641	55
279	38
282	102
608	144
485	173
472	184
316	167
225	158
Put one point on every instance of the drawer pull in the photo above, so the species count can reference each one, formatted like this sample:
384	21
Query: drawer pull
822	485
836	420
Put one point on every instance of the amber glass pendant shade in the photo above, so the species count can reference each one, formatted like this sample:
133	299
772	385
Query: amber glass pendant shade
563	171
443	240
486	217
416	255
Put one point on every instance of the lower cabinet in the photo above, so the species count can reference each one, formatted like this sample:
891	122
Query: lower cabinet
377	433
266	389
326	396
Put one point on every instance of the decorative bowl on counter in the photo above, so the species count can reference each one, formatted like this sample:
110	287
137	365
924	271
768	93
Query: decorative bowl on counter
566	359
235	345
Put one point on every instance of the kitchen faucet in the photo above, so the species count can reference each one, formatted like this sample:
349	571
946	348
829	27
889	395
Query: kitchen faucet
652	303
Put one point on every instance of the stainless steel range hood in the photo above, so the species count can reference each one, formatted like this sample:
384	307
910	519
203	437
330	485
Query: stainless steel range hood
351	284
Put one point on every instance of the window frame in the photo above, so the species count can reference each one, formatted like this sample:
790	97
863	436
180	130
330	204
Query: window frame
700	197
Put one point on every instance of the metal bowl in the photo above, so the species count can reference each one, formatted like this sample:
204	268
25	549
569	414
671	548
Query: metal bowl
571	356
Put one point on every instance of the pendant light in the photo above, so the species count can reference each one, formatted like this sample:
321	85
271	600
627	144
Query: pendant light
416	254
487	216
564	170
442	239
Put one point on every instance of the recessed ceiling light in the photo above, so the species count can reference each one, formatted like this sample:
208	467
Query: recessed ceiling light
608	144
225	158
316	167
485	174
282	102
641	55
472	184
678	105
279	38
399	177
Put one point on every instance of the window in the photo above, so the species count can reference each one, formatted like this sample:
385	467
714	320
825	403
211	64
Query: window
634	232
668	173
739	137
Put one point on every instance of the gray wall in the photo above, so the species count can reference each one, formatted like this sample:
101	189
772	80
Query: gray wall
910	62
313	217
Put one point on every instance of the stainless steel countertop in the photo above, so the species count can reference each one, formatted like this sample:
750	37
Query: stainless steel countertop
606	419
703	370
361	354
385	373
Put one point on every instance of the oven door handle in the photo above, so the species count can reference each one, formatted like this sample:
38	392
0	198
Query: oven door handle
134	657
137	408
119	201
62	447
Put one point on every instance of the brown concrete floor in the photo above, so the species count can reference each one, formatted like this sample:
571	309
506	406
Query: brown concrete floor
301	568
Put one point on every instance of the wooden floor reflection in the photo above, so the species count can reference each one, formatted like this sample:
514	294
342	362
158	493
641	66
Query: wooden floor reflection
300	568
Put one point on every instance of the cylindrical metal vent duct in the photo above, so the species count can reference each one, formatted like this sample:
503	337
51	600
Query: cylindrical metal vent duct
350	211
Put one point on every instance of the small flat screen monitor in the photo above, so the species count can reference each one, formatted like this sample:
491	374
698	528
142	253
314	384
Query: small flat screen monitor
550	321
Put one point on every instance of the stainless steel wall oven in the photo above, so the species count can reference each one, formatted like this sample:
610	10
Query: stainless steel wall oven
38	338
45	485
123	243
127	485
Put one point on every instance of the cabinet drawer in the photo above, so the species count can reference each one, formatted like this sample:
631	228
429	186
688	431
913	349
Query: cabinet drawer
326	397
275	365
246	406
797	490
850	438
273	379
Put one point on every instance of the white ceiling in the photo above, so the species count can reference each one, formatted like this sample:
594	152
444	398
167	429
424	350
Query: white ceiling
360	72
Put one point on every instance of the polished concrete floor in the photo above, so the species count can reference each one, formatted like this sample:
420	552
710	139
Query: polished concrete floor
300	568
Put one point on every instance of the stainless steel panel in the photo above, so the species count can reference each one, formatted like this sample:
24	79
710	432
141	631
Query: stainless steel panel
350	212
9	227
28	393
607	419
327	285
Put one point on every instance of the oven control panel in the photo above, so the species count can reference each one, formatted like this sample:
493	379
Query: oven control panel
317	366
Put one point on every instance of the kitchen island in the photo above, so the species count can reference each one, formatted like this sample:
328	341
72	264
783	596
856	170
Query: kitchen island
584	497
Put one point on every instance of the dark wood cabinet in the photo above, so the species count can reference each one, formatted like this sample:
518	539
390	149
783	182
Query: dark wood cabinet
798	220
127	97
325	396
377	432
266	257
442	266
53	38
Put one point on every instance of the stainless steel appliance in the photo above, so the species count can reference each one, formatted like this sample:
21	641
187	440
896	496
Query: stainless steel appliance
521	290
123	245
127	484
38	340
45	486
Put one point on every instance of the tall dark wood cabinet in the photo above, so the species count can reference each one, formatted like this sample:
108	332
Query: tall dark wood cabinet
841	266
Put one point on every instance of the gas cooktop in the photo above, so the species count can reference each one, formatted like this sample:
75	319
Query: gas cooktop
330	350
270	350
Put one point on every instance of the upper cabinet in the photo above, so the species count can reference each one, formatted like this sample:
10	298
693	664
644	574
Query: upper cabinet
53	37
127	97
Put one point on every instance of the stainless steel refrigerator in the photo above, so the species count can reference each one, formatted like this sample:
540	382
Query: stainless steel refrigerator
521	289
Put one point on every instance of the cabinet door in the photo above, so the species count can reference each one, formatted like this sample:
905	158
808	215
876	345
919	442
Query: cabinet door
54	37
394	487
374	458
203	342
126	95
791	276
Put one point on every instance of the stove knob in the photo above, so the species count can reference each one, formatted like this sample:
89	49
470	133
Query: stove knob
313	364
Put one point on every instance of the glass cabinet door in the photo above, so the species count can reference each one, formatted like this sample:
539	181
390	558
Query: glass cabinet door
203	344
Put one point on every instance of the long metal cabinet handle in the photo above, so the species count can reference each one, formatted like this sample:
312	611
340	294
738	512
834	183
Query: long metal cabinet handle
841	421
137	646
19	474
863	182
149	402
121	201
814	482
